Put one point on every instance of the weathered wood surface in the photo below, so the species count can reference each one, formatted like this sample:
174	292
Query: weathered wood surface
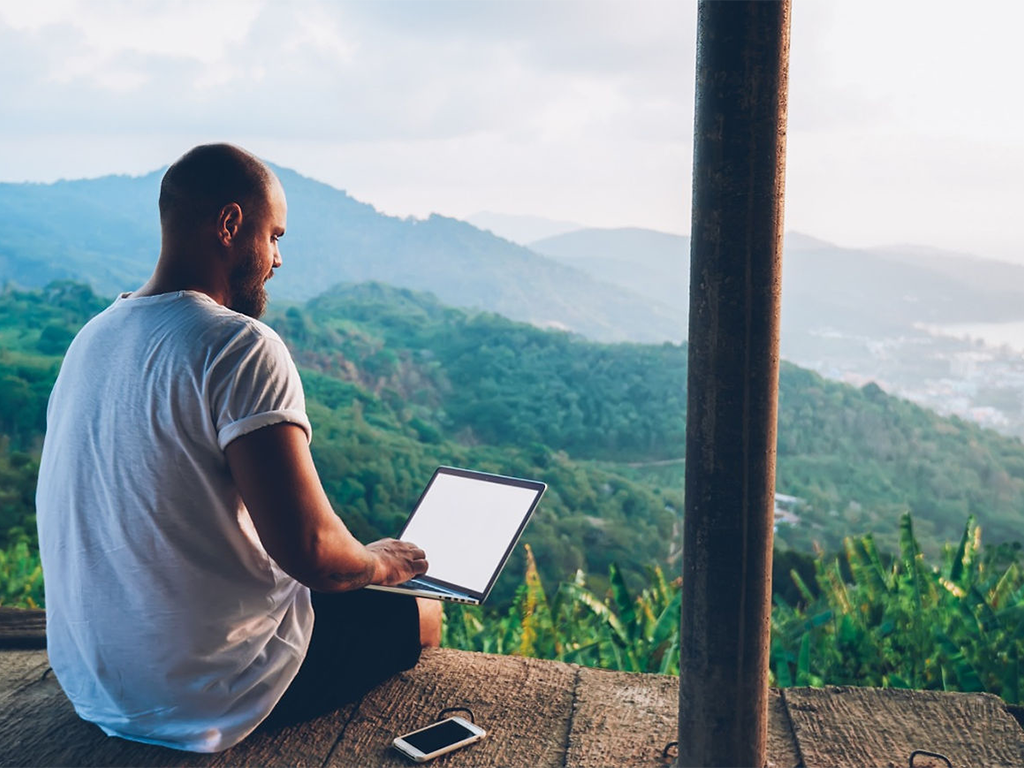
630	716
38	726
526	708
22	628
623	719
538	713
843	726
18	669
783	750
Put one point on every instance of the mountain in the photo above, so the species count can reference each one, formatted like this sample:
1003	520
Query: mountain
893	315
884	290
987	275
890	315
869	292
608	284
652	264
852	314
518	228
106	232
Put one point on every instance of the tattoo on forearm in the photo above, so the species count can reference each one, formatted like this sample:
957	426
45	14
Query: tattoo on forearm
354	580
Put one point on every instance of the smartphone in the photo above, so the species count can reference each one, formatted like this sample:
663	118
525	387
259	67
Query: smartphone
438	738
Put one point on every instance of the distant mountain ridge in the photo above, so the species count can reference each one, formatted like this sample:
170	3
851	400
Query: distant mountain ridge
520	228
826	289
893	287
623	284
106	232
650	263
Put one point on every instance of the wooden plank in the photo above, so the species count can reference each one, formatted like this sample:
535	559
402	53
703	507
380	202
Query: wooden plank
782	746
18	669
22	628
38	726
305	744
621	718
844	726
525	705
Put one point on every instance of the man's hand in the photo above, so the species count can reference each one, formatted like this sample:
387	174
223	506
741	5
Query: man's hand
397	561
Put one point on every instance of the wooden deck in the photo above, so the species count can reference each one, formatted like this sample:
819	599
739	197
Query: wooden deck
537	713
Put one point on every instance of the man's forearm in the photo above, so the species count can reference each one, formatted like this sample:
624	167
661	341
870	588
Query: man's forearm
340	564
357	580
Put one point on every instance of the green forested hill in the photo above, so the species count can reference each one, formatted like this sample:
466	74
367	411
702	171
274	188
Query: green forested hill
856	458
484	379
397	383
861	458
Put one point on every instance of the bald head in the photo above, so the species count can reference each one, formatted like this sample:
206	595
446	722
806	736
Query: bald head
205	179
222	213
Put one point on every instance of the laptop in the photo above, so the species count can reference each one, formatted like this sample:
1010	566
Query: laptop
467	522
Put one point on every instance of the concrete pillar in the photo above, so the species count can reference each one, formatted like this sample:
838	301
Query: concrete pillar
735	278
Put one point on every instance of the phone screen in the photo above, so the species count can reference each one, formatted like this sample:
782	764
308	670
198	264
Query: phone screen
438	736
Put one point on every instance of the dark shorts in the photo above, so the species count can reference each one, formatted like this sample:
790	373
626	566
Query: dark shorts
360	639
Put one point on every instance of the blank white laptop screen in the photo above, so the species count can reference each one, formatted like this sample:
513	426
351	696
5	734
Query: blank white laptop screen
465	526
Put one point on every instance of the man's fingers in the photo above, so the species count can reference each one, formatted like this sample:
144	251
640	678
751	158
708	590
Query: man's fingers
406	557
411	550
418	560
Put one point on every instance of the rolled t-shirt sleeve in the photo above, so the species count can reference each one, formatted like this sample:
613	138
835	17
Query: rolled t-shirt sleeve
253	383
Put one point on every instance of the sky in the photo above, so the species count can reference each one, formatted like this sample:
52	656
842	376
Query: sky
904	116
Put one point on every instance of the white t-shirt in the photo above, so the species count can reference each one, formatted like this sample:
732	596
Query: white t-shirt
167	622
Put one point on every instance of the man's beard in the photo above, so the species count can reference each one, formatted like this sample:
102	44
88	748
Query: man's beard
248	294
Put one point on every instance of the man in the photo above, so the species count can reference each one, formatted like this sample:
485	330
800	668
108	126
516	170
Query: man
181	521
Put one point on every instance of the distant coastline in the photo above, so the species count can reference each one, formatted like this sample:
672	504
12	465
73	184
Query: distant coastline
1010	333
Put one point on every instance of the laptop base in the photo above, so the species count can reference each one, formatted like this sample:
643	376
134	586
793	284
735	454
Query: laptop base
426	590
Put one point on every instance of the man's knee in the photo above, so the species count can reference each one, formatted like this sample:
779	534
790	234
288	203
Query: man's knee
431	615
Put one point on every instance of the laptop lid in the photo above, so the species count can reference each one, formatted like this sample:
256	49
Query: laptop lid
468	523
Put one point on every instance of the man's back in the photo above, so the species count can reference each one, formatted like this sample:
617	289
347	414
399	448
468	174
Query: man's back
167	621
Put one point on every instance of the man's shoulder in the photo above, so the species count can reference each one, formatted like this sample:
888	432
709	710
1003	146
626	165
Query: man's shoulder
186	323
215	325
234	329
224	336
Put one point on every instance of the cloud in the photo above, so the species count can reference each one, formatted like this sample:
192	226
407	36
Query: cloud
185	28
897	68
356	71
575	109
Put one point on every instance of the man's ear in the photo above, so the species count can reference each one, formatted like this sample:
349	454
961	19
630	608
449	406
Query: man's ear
229	223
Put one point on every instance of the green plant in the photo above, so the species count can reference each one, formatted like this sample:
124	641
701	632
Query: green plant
21	577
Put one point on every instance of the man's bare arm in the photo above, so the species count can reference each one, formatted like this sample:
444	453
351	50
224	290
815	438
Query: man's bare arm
279	484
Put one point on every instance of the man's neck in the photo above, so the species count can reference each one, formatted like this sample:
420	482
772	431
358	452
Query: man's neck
177	272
